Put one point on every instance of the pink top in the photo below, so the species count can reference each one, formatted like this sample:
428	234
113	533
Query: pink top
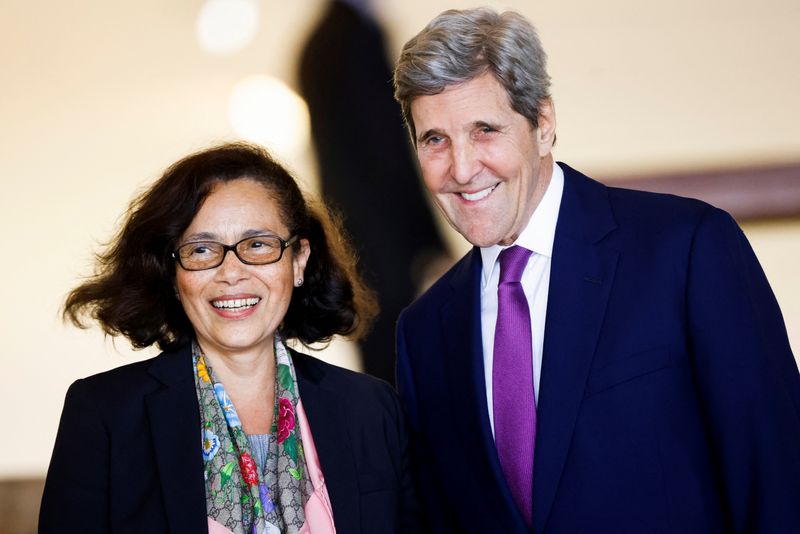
319	514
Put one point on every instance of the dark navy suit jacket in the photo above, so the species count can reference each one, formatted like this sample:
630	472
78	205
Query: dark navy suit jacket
128	453
669	398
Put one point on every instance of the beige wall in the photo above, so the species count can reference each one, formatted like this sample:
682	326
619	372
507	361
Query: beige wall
97	97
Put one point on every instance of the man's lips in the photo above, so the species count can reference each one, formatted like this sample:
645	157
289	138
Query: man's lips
478	195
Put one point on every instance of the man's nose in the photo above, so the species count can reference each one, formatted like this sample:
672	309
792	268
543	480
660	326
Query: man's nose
466	163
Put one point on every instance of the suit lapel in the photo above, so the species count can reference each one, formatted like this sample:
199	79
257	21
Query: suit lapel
461	325
581	276
175	425
334	447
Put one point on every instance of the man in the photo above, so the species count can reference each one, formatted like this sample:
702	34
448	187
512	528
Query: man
603	360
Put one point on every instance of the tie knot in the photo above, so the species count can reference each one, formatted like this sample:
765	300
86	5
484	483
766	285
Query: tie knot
512	263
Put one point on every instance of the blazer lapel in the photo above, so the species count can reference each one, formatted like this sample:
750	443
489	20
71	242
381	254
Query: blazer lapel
463	355
334	448
581	276
175	425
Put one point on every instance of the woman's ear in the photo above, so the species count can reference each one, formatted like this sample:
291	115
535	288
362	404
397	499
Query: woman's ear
299	261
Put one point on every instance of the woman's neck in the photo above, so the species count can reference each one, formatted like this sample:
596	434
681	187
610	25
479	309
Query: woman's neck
249	381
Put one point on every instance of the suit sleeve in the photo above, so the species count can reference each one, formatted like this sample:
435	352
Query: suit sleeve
75	497
431	494
409	520
747	378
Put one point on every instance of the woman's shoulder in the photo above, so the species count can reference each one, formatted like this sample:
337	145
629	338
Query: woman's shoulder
134	379
344	382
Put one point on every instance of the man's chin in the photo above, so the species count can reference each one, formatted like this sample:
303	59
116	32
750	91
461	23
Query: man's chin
480	238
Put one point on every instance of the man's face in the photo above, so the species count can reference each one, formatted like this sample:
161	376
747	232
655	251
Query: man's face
484	163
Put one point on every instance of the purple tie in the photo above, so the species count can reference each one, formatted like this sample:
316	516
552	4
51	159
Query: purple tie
512	381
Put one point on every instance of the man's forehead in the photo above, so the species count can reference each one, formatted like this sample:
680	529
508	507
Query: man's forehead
473	101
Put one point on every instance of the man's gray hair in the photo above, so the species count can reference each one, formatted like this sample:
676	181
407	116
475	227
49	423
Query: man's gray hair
460	45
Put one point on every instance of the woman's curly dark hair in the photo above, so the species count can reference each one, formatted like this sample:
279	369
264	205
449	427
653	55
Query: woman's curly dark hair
132	292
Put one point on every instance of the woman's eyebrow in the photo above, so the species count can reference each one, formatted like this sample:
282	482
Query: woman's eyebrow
210	236
252	232
200	236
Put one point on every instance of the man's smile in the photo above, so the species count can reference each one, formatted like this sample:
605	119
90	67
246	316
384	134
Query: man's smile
479	195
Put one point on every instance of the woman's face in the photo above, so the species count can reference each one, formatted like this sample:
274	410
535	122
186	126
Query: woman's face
236	308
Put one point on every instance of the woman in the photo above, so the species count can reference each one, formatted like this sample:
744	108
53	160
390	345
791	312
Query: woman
220	263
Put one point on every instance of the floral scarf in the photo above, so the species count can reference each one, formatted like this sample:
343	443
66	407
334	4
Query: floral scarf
239	499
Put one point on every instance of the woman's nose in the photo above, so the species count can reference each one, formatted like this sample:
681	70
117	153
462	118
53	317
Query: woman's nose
231	269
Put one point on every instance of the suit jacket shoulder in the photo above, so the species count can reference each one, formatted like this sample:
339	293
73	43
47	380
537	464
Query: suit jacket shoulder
351	385
117	388
127	455
461	277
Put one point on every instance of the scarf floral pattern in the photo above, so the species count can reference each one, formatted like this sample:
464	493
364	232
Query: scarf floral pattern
238	497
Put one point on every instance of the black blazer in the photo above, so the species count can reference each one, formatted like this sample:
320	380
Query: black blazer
127	456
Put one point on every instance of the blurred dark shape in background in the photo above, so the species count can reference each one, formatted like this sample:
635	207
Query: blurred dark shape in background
366	167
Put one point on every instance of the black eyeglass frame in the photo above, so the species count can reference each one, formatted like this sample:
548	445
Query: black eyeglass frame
285	243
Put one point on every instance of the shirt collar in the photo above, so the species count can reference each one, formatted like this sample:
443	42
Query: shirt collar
539	234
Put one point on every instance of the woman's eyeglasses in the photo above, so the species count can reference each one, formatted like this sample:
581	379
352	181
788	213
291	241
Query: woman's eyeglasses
256	250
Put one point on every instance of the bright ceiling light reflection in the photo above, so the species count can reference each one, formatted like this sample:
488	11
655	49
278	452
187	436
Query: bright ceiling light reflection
265	110
227	26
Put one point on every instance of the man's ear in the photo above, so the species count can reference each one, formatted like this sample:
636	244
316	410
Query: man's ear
546	129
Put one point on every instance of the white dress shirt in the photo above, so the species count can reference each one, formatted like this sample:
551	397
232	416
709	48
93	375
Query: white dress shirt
538	237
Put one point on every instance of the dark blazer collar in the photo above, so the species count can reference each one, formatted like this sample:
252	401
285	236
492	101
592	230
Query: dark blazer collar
328	421
173	368
585	213
175	426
